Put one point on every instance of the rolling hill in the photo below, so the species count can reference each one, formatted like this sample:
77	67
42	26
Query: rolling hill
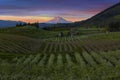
105	17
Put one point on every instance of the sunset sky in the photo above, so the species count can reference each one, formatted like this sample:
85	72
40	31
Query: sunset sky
44	10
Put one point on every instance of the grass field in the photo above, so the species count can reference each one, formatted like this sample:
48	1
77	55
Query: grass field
27	53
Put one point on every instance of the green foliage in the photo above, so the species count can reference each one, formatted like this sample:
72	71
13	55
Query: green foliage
106	36
106	29
29	31
25	55
18	44
113	27
70	69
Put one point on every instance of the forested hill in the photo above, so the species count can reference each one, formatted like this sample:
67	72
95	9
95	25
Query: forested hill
105	17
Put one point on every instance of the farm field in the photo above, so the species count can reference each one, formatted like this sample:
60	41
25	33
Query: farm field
83	57
59	39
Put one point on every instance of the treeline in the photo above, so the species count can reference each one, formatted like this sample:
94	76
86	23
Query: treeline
27	24
21	24
49	27
113	27
60	26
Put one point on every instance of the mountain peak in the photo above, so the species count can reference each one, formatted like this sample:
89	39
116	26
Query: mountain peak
58	20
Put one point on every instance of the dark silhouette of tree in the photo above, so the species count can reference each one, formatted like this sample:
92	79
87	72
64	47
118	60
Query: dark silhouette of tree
114	26
17	25
20	24
24	24
37	25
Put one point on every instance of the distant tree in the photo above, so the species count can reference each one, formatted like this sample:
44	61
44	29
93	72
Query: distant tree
17	25
28	24
106	29
20	24
24	24
69	33
36	25
114	26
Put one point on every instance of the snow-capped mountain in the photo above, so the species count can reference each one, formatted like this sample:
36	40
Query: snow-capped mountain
58	20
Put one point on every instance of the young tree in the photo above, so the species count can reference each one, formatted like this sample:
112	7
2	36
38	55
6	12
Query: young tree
37	25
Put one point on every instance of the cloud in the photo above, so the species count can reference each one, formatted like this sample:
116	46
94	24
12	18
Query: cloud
55	4
50	8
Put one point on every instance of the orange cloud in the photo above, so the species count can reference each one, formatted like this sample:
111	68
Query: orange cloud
33	19
30	19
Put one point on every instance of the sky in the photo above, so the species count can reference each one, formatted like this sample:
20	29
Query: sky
45	10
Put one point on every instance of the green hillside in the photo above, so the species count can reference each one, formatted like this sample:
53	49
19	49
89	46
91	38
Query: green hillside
117	17
29	31
88	56
104	18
